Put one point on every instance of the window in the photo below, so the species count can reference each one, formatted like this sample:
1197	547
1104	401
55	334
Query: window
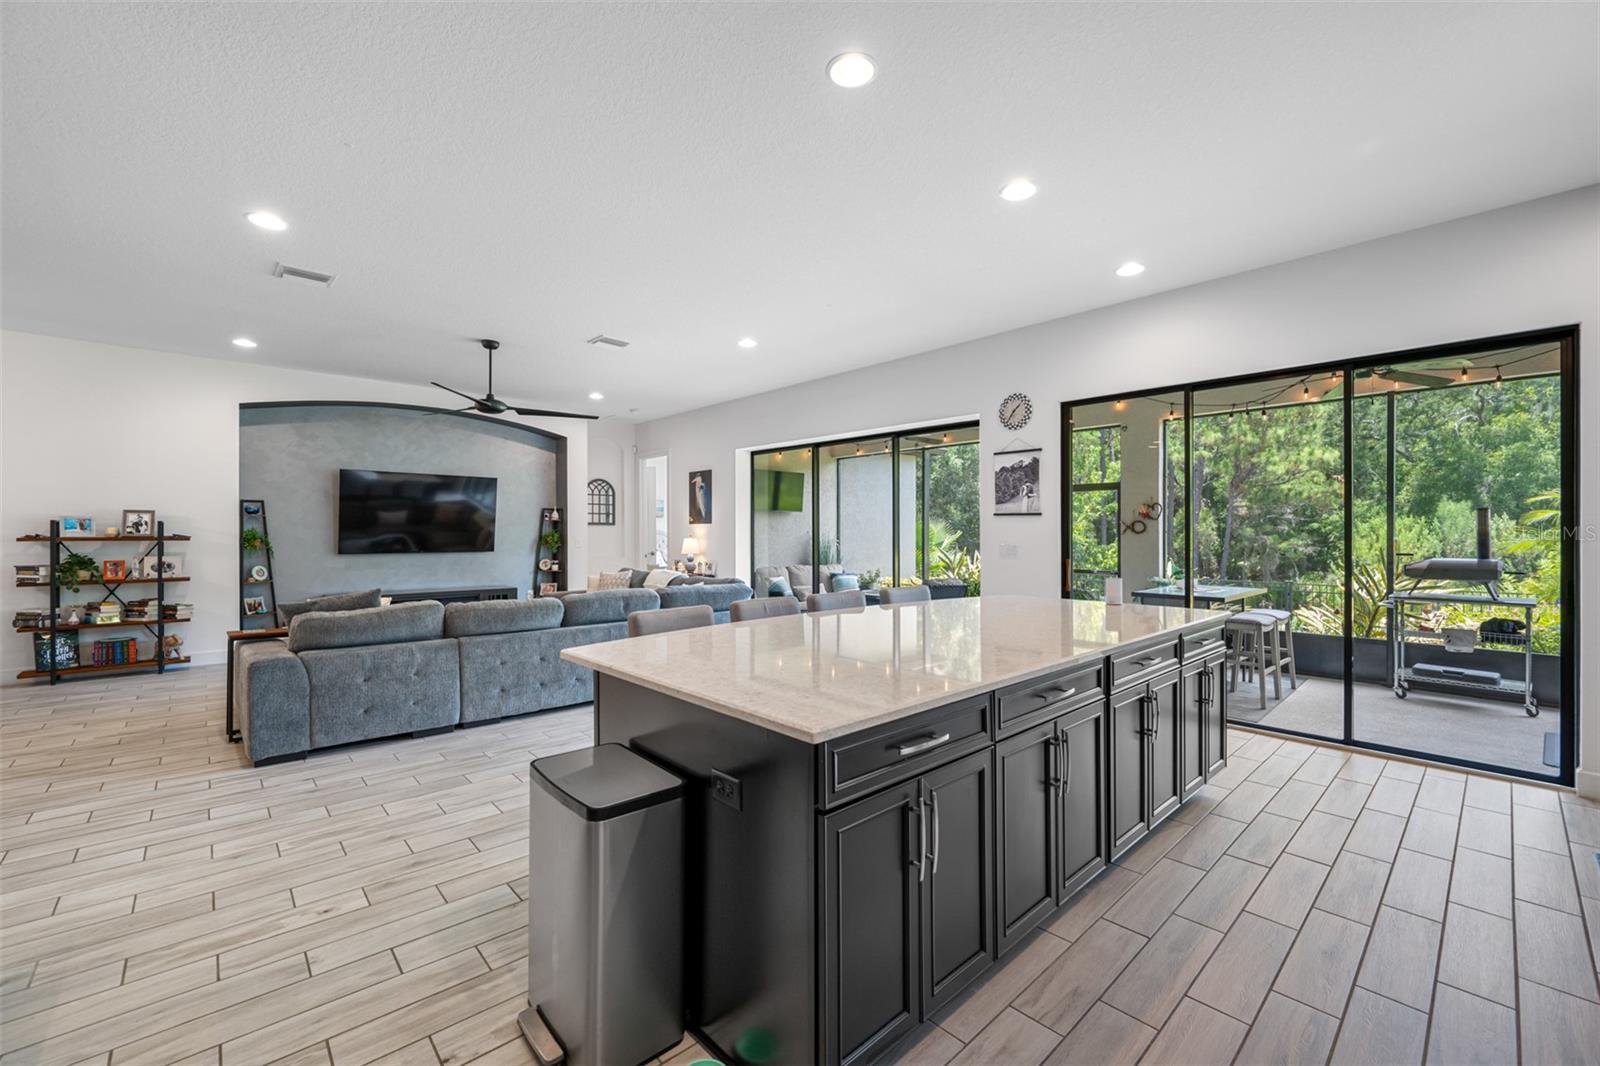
602	503
1096	509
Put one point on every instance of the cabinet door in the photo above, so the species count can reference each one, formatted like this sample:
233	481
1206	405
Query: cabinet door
872	869
1128	789
1166	741
1080	751
1191	718
1024	864
1215	695
958	893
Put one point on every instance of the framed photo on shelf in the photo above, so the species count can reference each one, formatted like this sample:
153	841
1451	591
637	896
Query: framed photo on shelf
255	605
113	570
77	525
138	523
547	588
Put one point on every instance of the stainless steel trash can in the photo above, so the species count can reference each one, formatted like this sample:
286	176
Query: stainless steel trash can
605	907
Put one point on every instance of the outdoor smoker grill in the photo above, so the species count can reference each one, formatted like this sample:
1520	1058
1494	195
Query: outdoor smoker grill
1404	629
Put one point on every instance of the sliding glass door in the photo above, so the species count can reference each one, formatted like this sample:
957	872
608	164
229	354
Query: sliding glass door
894	509
1388	533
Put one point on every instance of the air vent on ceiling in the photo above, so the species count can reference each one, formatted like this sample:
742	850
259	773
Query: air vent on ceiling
601	338
284	270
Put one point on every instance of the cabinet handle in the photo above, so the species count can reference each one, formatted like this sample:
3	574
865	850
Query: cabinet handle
1149	660
924	745
922	837
1052	765
1065	740
1155	716
1052	693
935	832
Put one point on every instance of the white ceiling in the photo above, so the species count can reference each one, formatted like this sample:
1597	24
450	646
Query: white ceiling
684	175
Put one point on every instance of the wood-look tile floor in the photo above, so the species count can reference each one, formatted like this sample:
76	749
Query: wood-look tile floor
163	902
1313	905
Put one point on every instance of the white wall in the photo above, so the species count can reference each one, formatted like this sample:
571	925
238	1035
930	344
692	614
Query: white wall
612	457
1525	267
92	428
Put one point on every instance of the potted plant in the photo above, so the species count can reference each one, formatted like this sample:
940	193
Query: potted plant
550	541
74	569
252	540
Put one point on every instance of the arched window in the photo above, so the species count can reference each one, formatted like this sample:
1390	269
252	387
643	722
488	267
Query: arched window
602	503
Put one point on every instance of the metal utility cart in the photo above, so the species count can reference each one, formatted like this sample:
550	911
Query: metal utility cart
1400	632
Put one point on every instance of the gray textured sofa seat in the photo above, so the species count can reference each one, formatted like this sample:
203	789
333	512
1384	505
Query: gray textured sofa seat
417	667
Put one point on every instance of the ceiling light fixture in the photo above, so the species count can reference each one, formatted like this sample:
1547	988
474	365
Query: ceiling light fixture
597	396
243	342
852	70
1017	190
267	220
747	342
1130	269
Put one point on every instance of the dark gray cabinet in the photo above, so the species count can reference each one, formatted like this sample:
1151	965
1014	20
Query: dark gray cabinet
1080	785
1052	816
873	863
1024	864
908	901
1146	762
958	885
1204	718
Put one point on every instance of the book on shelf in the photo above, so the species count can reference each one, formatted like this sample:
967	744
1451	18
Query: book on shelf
65	651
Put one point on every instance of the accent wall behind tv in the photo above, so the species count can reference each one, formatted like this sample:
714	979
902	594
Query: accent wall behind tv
291	457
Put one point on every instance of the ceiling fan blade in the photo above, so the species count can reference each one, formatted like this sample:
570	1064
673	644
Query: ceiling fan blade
458	392
550	414
452	410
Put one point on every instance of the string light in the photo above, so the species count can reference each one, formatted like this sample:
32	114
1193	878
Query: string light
780	457
1464	373
1499	381
1305	391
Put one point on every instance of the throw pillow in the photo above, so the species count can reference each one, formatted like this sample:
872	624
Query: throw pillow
659	579
614	581
841	582
780	587
338	601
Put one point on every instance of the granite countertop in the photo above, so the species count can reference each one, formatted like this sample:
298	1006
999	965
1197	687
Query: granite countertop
820	676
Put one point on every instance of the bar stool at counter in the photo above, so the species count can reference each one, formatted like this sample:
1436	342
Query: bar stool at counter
1283	640
1249	633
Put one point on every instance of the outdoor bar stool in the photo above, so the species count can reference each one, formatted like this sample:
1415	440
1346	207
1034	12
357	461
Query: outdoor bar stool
1249	633
1283	641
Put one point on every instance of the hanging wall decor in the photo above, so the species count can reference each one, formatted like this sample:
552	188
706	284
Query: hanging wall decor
700	498
1016	482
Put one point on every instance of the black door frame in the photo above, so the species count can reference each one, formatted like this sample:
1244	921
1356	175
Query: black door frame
1567	337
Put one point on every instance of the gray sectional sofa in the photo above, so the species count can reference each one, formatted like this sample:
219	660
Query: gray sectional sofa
349	675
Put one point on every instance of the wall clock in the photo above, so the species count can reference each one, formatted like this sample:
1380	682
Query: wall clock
1015	410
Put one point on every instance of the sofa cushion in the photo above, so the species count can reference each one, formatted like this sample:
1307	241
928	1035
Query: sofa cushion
660	579
510	674
636	577
501	616
779	587
381	690
338	601
272	700
608	605
717	597
396	624
843	582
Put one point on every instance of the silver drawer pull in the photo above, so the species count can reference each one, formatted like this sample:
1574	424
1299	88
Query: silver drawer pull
923	745
1150	660
1055	693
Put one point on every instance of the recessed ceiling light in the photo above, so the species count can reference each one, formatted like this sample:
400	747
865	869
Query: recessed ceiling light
596	396
1130	269
851	70
243	342
1017	190
747	342
267	220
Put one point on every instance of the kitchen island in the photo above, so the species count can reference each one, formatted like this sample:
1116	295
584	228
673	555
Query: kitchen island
884	801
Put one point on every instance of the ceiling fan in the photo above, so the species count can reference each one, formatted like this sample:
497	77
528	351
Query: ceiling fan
488	404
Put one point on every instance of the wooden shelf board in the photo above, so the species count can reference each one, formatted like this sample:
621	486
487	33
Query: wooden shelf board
142	664
44	538
104	583
64	628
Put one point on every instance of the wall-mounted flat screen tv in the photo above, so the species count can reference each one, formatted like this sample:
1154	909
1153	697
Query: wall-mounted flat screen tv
382	511
779	490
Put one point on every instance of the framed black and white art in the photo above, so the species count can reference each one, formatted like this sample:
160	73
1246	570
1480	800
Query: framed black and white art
1016	482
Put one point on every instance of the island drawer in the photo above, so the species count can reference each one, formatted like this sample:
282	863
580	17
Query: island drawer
1201	641
1131	667
1035	701
874	758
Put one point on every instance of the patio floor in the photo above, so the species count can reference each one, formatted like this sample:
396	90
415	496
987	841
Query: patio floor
1486	731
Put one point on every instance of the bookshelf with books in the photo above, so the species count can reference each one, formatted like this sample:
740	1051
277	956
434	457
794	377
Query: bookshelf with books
55	630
